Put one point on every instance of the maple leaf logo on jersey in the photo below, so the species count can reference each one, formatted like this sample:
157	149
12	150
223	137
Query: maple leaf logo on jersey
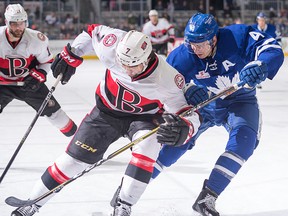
223	82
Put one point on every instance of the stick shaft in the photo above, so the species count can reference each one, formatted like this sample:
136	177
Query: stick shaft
11	83
42	107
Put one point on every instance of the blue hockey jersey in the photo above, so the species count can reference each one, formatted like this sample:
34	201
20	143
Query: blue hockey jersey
237	45
270	30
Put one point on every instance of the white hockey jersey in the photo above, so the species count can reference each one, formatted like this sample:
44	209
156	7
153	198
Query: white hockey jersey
157	89
29	52
159	33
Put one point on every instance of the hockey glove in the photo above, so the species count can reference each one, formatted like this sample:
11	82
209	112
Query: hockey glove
254	73
65	63
175	131
195	95
171	39
34	80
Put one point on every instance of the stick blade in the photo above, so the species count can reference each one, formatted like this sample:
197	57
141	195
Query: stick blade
98	214
14	201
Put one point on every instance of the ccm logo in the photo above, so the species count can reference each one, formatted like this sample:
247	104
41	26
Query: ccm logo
67	57
85	146
37	76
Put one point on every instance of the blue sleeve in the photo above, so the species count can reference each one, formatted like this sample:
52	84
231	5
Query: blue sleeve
266	49
256	45
182	60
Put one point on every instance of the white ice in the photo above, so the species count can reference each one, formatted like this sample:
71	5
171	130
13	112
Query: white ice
259	189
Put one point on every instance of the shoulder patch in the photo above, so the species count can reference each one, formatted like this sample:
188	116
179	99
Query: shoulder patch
109	40
41	36
179	81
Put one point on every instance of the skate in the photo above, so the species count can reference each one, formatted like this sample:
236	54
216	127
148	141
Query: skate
205	203
121	209
26	210
114	199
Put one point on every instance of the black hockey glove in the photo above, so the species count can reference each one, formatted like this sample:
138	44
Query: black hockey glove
254	73
195	95
171	39
34	80
65	63
174	131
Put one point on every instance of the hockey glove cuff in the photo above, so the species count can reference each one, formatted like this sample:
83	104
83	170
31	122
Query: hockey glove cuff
34	80
254	73
175	131
65	63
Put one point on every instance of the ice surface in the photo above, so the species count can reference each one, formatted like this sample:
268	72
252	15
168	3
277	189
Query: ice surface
259	189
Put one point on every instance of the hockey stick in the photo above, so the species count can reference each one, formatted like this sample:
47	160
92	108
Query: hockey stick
42	107
13	201
11	83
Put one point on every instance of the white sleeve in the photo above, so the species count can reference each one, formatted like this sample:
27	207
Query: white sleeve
146	29
172	86
83	44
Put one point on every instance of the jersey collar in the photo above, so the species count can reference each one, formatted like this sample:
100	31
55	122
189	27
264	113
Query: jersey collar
153	63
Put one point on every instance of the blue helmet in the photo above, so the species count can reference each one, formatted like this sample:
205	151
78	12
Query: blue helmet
261	15
200	28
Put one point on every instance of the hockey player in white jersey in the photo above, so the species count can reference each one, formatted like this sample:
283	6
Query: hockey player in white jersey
139	89
25	59
160	32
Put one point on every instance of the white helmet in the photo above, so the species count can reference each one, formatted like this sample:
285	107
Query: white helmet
15	13
134	49
153	13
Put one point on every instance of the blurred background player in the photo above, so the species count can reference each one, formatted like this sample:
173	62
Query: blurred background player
214	59
160	32
25	57
263	26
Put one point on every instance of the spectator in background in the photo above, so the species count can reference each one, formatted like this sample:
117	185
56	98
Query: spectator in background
2	22
160	32
68	19
272	13
282	26
51	19
237	20
37	13
159	5
201	8
132	21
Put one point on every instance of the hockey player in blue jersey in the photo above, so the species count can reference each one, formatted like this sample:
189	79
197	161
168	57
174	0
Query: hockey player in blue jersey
268	28
214	59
